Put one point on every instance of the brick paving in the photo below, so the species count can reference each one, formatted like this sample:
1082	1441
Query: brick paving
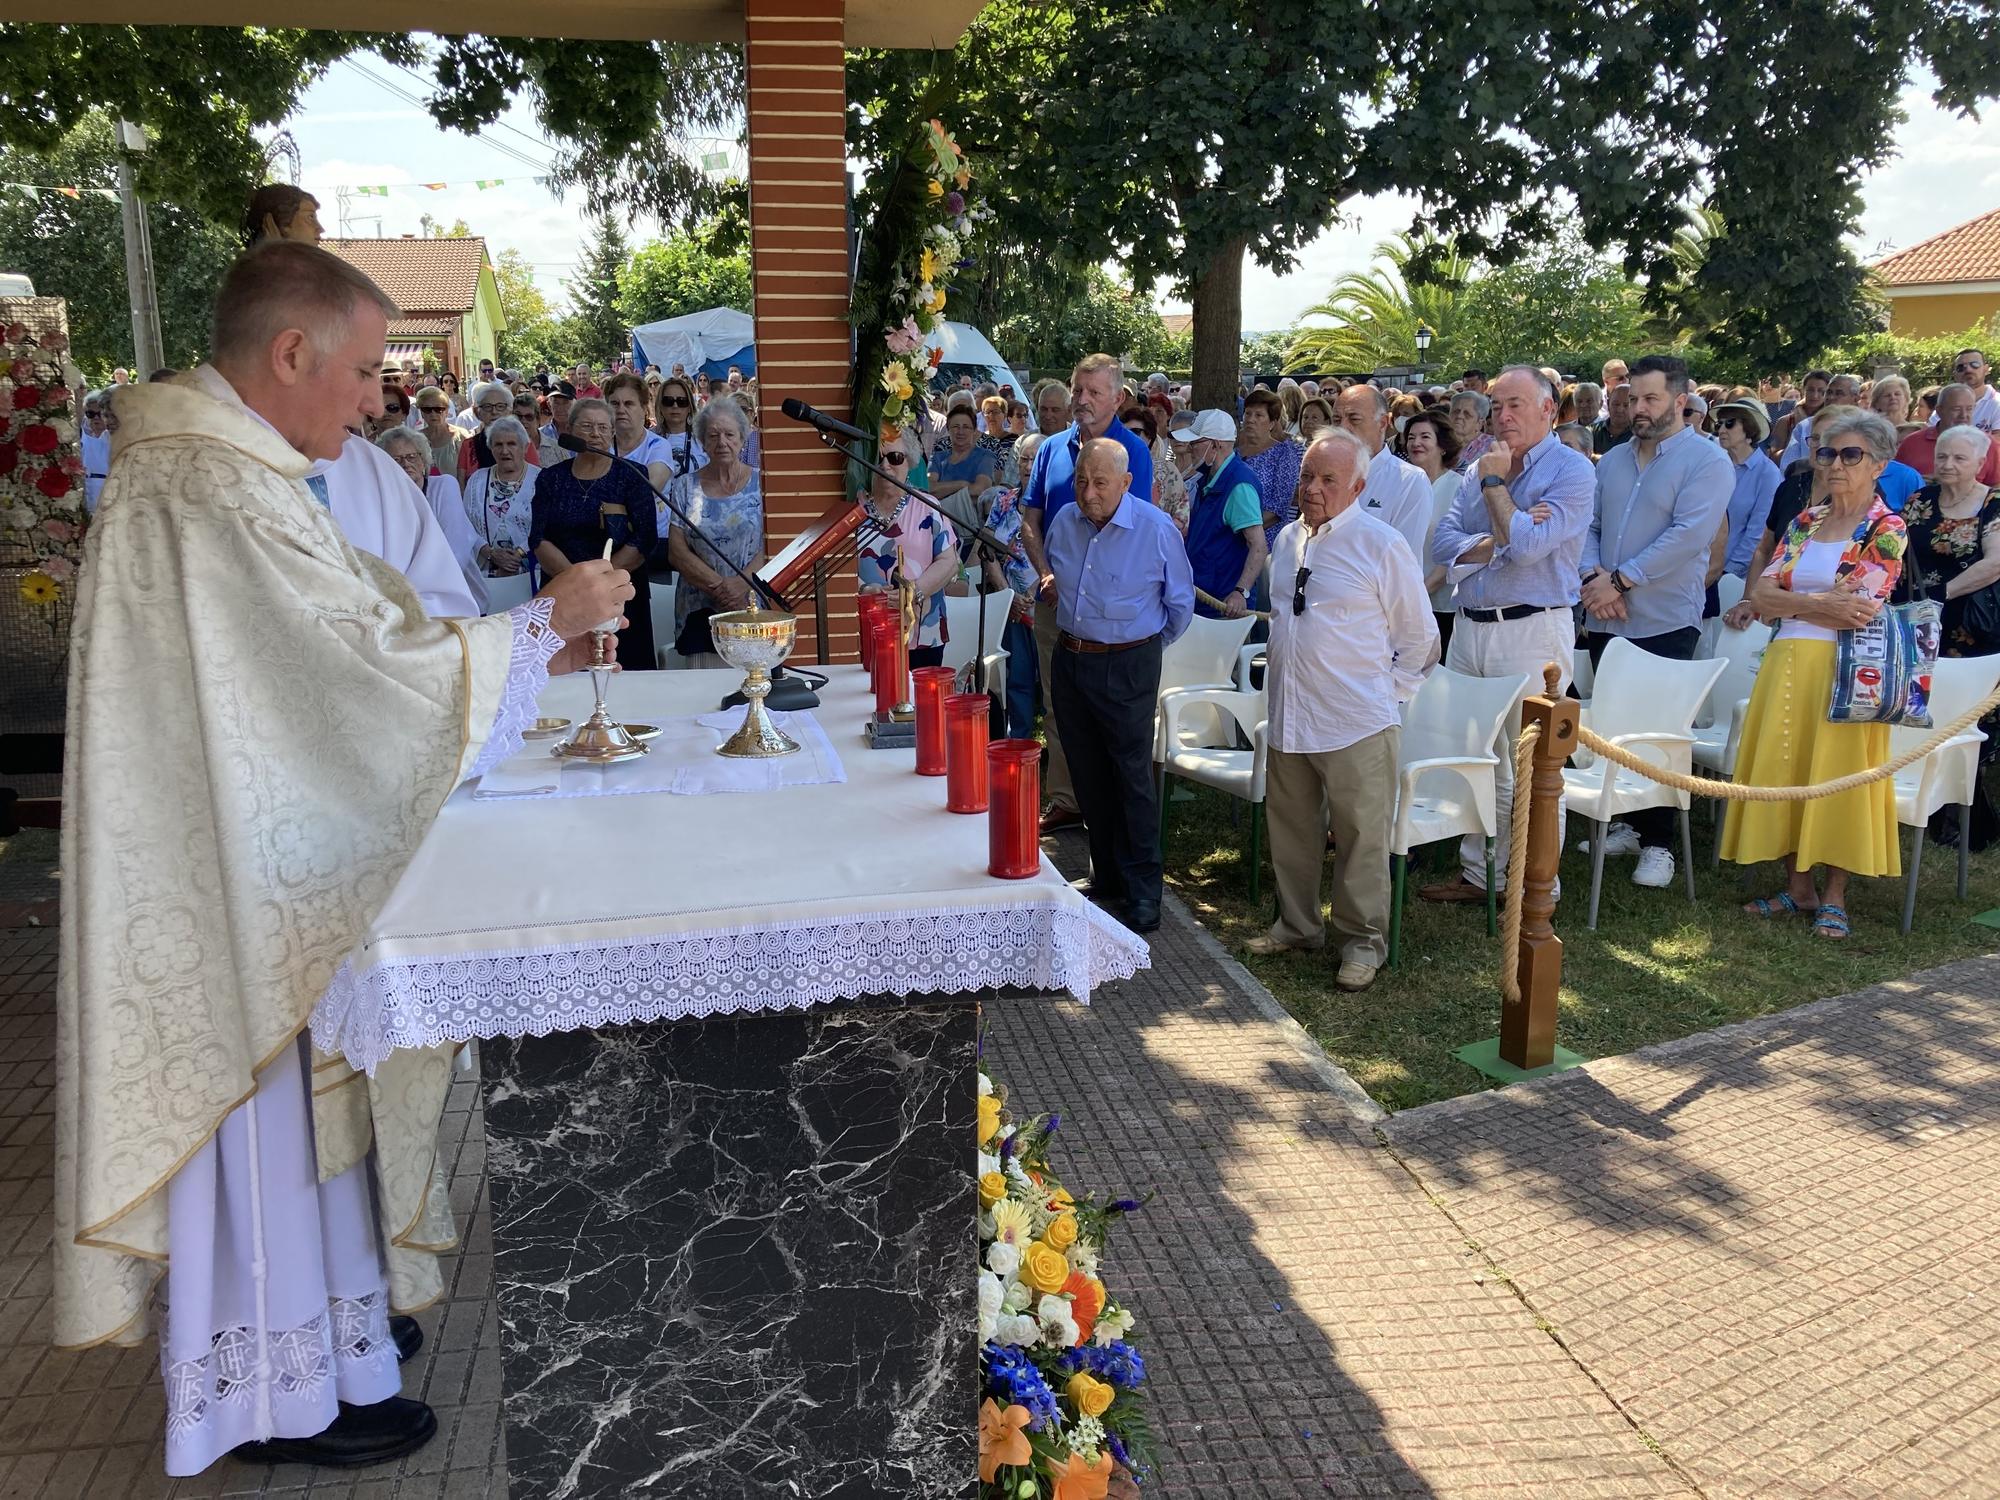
1756	1263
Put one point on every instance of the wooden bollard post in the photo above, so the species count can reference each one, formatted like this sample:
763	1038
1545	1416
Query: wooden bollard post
1528	1025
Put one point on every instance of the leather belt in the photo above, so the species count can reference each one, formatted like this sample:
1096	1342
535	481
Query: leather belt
1511	612
1076	643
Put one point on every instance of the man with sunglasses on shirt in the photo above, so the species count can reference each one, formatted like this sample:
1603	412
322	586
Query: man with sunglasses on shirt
1352	637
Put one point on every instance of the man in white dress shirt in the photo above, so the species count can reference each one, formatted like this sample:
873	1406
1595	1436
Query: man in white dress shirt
1970	369
1352	637
1397	492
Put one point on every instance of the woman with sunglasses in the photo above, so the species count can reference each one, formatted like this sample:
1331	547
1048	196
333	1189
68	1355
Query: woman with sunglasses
914	543
673	425
95	443
1834	570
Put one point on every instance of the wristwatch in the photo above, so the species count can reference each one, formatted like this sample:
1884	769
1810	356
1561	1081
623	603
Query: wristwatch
1618	582
1490	481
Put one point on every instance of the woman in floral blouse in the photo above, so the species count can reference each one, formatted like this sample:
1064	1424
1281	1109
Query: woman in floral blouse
914	544
1833	570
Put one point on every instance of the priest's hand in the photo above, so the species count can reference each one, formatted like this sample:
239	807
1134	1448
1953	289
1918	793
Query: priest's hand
585	595
576	655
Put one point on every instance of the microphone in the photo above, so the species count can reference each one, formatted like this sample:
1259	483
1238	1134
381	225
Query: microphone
798	411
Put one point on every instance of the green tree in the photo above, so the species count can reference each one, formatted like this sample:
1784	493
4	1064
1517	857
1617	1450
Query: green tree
683	274
1557	304
595	326
458	229
1268	353
74	248
534	333
1108	316
1375	314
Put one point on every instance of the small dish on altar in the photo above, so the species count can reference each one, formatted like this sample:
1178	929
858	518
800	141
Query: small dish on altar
546	729
643	732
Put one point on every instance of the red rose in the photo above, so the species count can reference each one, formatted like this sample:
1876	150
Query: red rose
10	455
53	483
27	396
22	369
57	395
39	438
16	332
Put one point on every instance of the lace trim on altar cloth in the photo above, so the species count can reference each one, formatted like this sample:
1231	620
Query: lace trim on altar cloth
527	675
952	950
351	1337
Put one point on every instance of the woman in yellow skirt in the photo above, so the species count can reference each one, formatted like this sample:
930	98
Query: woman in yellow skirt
1833	570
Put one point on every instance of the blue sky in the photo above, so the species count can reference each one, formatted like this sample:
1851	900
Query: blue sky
353	132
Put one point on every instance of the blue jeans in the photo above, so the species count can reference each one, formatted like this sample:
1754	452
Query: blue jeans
1023	679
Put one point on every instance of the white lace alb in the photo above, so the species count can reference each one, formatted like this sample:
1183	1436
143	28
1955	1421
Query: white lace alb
1043	946
351	1335
527	675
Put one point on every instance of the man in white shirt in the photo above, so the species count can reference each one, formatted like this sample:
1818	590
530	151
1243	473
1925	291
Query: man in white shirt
1969	368
1397	492
381	513
1352	636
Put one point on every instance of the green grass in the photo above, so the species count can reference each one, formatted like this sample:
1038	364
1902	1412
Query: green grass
1655	969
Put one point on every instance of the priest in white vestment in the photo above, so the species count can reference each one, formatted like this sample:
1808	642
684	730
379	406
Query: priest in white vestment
263	722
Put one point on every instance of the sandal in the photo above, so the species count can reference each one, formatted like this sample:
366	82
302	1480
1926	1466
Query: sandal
1831	923
1780	905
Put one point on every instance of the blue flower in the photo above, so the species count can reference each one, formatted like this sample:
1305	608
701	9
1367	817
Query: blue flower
1012	1378
1118	1450
1117	1362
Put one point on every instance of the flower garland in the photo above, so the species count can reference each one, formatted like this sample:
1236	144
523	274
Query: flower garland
41	474
918	241
1062	1417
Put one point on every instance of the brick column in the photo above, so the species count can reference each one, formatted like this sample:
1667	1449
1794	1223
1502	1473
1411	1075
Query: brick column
798	245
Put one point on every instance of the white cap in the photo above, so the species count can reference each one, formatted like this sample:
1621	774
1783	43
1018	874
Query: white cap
1195	426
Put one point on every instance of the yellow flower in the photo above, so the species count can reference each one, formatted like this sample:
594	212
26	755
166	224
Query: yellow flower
1011	1222
992	1188
989	1107
934	188
929	267
1090	1396
1061	1233
963	178
1044	1269
1060	1201
39	588
936	304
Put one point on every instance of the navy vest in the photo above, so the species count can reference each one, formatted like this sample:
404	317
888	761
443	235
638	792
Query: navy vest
1215	553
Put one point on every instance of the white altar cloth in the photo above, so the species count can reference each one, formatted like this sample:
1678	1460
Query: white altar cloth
524	917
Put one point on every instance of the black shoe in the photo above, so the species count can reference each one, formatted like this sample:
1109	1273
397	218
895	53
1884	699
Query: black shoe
409	1337
1143	916
372	1434
1093	892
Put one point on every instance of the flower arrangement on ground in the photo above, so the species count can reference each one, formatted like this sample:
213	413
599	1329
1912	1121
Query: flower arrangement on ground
41	474
1061	1415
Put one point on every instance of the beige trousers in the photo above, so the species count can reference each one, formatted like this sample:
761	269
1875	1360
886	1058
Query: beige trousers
1506	648
1351	793
1056	788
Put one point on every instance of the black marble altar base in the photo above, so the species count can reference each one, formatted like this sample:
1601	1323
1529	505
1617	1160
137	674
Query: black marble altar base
735	1258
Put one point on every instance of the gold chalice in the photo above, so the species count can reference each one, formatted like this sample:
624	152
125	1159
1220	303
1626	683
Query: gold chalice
756	640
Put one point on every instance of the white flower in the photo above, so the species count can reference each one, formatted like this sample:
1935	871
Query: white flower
1018	1329
989	1326
65	430
1019	1295
1061	1333
988	1162
20	518
992	1291
1052	1307
1083	1258
985	1085
1112	1324
1003	1259
1086	1436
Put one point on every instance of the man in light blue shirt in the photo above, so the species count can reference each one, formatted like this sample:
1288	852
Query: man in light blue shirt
1510	545
1123	590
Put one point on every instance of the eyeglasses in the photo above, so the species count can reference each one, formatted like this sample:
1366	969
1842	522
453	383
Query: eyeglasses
673	401
1724	423
1299	591
491	406
1848	457
434	411
1966	365
895	458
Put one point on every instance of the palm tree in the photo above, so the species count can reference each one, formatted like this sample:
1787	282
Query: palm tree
1375	314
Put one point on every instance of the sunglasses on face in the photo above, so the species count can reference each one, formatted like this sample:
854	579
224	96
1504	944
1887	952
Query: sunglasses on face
1965	367
1726	423
434	411
673	401
1848	457
1299	591
895	458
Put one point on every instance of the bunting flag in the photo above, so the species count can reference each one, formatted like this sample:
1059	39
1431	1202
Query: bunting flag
489	182
373	192
436	187
70	192
715	161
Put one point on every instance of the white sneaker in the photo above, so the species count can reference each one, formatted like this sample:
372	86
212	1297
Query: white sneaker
1656	868
1622	839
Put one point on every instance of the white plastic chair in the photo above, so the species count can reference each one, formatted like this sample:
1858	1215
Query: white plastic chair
1221	763
961	615
1950	773
1729	593
1582	675
1645	704
662	596
1718	732
1445	776
1204	657
1250	666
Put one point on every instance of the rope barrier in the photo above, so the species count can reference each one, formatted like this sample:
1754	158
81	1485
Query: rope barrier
1734	791
1517	863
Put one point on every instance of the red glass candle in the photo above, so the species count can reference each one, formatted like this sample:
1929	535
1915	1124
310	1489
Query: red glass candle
931	685
888	686
965	752
871	617
1014	824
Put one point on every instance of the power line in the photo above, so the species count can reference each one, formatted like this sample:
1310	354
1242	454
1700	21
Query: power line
397	92
537	142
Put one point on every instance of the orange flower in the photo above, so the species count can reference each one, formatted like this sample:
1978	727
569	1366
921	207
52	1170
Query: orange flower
1077	1480
1086	1302
1001	1440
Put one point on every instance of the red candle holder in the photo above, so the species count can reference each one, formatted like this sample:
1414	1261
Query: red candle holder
931	686
1014	824
866	606
965	752
888	684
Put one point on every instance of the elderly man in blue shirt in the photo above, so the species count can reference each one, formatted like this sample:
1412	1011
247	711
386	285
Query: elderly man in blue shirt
1123	591
1510	545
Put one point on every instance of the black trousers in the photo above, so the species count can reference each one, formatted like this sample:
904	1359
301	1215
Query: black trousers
1655	825
1104	703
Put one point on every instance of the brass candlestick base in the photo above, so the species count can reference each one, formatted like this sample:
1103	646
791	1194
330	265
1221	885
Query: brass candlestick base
600	739
756	640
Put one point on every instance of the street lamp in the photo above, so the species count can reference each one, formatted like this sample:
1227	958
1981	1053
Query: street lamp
1423	348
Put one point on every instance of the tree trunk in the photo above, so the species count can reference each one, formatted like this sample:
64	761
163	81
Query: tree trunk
1218	326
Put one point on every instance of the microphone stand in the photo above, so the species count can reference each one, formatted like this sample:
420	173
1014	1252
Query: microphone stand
993	547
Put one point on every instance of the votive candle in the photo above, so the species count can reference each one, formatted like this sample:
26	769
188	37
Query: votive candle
965	752
1013	824
931	686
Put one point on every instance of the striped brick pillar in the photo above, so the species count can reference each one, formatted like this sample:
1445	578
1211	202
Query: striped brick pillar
798	266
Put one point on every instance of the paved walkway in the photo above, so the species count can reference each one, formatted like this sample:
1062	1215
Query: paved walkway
1755	1264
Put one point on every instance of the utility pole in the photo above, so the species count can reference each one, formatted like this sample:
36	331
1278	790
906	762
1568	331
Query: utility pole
146	342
